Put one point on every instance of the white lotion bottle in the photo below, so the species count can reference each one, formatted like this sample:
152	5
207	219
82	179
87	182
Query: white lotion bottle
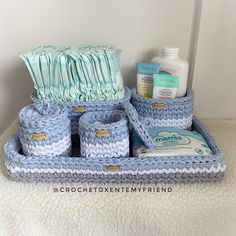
171	63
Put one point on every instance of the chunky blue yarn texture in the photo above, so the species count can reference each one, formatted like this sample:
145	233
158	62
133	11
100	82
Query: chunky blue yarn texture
74	114
103	130
137	124
175	112
113	124
168	169
45	132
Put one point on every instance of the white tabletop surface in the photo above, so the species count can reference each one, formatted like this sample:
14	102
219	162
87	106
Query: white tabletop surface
191	209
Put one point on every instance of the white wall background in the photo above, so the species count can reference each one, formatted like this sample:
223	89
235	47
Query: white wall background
215	77
138	27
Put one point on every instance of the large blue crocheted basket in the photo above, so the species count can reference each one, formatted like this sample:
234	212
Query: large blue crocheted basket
77	108
167	169
176	112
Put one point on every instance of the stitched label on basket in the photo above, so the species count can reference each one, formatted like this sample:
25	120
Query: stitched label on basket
113	168
80	109
103	133
38	136
159	105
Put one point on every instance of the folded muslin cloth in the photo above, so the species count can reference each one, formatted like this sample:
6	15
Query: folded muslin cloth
79	72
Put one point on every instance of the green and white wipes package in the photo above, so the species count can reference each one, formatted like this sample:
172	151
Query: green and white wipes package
171	142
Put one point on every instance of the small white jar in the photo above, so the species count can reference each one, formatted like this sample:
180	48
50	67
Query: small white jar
171	63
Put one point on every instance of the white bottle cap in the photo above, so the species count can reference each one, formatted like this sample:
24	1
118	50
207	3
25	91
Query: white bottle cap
170	52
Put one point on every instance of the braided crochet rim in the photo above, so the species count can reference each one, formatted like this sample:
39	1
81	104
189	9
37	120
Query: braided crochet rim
138	126
89	117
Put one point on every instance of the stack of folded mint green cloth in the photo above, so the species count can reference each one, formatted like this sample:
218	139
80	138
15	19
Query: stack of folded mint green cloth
85	73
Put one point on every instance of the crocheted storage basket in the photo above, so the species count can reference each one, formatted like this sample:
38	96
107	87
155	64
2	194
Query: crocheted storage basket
77	108
177	112
166	169
46	132
104	134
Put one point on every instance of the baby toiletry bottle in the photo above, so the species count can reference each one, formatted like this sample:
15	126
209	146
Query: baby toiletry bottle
171	63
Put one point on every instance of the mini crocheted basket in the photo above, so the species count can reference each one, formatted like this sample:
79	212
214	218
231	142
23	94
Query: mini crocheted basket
104	134
77	108
45	132
177	112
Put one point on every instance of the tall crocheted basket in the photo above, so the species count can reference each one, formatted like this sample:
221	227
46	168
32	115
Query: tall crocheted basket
177	112
104	134
77	108
45	132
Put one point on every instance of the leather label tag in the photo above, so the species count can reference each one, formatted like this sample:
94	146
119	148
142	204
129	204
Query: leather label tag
103	133
159	105
113	168
38	136
80	109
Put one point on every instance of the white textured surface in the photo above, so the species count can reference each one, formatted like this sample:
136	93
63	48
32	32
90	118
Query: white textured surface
192	209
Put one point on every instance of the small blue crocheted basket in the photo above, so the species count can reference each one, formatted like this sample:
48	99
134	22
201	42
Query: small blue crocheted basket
177	112
104	134
46	132
77	108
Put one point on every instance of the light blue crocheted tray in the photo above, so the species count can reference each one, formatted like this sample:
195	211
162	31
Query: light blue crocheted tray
166	169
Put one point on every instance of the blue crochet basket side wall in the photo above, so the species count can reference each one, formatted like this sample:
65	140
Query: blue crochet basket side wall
45	132
176	112
104	134
168	169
